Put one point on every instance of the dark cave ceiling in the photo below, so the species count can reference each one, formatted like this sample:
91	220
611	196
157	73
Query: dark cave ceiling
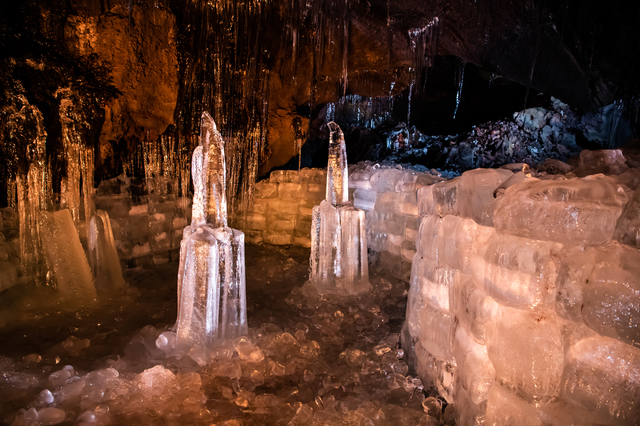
138	66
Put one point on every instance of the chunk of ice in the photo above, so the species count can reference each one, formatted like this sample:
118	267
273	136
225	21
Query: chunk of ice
105	263
573	211
65	255
526	349
602	375
211	286
337	173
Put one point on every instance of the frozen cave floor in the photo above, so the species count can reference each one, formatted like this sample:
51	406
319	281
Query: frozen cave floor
306	360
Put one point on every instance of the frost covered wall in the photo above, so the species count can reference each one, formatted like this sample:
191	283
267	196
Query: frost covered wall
523	309
281	210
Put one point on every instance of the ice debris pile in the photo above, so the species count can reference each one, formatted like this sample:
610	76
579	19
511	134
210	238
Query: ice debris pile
309	360
523	309
339	259
280	213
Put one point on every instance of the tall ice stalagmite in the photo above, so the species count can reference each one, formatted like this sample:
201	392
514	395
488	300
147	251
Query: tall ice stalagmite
211	279
338	235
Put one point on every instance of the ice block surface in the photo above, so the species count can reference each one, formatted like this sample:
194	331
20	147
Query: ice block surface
572	211
602	375
525	348
611	304
65	255
516	271
103	255
628	226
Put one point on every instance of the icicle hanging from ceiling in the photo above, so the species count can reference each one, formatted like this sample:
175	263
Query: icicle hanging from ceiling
225	72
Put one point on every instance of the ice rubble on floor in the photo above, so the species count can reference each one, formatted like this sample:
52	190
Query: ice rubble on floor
339	261
524	308
345	368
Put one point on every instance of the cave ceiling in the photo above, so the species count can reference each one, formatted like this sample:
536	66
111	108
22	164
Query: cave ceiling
136	67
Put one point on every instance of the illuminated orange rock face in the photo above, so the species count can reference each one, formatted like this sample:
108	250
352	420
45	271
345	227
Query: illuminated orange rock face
139	49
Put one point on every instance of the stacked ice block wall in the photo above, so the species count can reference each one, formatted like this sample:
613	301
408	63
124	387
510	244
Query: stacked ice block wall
388	195
524	309
147	228
281	210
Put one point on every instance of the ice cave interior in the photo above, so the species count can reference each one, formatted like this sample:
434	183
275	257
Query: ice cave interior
319	212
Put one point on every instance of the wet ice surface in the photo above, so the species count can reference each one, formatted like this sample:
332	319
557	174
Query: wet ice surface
305	360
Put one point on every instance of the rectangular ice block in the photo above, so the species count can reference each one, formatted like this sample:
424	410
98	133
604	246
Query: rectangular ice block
65	255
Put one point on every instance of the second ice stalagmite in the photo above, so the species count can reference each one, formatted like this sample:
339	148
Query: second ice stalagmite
211	278
338	234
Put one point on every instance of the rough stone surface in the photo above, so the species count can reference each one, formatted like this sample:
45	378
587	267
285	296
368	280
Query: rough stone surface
140	51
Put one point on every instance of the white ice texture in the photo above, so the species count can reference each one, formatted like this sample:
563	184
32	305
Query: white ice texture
103	255
211	280
339	262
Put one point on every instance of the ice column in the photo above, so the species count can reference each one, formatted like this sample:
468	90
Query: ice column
338	236
103	255
211	279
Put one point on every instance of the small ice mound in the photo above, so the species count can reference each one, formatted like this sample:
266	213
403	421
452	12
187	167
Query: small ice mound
45	416
152	382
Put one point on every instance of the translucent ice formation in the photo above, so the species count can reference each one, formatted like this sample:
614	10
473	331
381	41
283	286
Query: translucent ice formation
628	226
577	211
211	279
339	262
65	255
103	255
337	173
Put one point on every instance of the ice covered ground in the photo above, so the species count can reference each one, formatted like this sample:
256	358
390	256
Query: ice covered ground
305	360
